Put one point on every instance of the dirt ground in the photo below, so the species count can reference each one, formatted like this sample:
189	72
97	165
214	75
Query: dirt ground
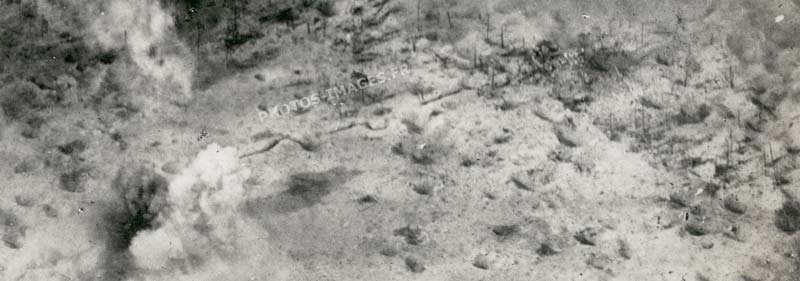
494	140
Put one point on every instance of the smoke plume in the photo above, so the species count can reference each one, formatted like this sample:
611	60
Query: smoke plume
145	29
201	232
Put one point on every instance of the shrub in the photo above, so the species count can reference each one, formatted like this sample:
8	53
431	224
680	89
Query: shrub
788	217
606	59
326	8
74	180
692	114
21	100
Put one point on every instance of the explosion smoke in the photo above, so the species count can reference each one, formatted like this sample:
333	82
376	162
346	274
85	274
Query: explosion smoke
144	28
203	200
201	231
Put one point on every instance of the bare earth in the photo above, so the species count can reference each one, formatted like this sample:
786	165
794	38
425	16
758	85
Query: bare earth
527	140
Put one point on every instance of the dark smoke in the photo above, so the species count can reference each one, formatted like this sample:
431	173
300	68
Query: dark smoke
142	195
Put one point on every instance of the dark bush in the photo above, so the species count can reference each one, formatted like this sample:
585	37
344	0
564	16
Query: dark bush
693	114
76	146
285	15
788	217
236	40
505	231
24	166
28	10
414	264
22	99
74	180
326	8
412	234
606	59
107	57
13	238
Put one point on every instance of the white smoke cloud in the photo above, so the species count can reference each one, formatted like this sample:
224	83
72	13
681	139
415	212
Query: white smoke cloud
154	249
203	235
202	221
144	27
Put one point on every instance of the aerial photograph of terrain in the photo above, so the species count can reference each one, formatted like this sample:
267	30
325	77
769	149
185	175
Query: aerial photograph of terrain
400	140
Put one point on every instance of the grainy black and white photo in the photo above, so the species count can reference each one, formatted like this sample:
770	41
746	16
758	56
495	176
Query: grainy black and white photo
400	140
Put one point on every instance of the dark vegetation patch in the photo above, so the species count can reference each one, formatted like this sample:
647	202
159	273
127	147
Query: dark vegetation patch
692	114
697	228
49	211
481	262
8	219
233	26
25	166
624	249
73	147
14	231
546	59
389	251
514	6
107	57
44	65
420	152
575	103
424	188
75	179
574	71
367	199
548	248
113	96
606	59
239	39
467	161
12	238
414	264
733	204
325	7
413	234
587	236
22	101
286	15
506	231
613	128
534	177
680	199
787	218
412	127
